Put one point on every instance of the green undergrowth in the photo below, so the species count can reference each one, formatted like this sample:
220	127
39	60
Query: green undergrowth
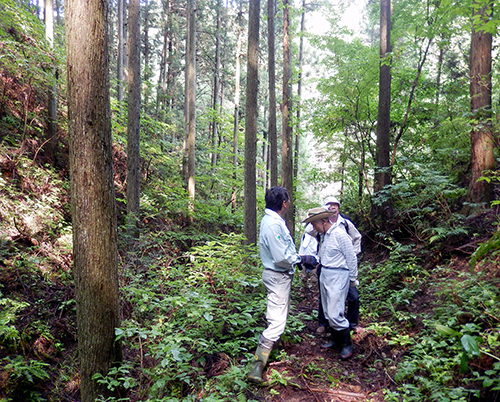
194	322
443	327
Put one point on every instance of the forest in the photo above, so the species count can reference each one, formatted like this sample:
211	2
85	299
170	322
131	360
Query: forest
137	140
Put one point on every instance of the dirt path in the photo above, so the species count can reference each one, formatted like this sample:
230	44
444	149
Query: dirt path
307	372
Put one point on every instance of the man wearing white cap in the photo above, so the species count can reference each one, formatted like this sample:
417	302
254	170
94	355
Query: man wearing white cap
309	245
332	204
339	269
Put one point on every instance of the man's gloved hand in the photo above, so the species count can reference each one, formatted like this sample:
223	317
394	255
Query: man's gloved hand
308	261
354	283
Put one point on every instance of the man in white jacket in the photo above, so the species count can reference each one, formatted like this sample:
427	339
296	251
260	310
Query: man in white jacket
279	259
309	245
339	271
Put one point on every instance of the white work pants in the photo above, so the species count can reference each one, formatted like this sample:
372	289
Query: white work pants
278	285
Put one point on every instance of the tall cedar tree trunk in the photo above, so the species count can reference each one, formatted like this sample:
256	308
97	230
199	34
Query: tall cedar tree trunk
170	67
287	149
134	115
299	95
121	49
382	170
216	94
482	157
51	147
273	135
92	193
236	126
191	100
147	53
162	76
251	122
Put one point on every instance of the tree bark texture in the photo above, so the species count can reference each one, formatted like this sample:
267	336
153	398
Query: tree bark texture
161	97
236	121
51	147
273	135
191	92
216	93
287	148
251	123
92	193
134	112
382	172
482	140
121	49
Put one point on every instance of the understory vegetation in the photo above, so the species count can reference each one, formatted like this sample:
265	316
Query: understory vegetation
192	299
193	304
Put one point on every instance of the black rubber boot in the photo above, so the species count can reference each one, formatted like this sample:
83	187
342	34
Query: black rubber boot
345	338
334	342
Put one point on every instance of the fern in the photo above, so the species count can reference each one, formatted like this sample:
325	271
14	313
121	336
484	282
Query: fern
486	248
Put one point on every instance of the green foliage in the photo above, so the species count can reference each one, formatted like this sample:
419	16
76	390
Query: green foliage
442	364
425	201
193	317
489	247
9	335
393	285
117	377
23	377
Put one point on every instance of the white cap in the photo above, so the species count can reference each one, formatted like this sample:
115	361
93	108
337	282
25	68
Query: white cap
331	200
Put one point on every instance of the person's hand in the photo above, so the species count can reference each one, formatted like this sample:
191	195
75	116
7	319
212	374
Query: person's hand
354	283
308	262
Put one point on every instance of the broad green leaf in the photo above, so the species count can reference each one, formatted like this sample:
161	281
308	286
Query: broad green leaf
447	330
463	363
470	345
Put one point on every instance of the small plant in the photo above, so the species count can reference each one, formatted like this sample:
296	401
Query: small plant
117	377
8	333
24	377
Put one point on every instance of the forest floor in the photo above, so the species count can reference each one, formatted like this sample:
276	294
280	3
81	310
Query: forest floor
295	379
363	377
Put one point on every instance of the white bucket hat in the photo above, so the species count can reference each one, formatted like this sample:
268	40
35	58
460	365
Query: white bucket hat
331	200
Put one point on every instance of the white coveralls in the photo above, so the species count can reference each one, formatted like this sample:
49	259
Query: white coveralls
339	267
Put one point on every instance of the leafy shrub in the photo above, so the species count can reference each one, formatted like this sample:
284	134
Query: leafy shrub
193	317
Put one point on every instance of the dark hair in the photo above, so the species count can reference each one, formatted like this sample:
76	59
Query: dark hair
275	197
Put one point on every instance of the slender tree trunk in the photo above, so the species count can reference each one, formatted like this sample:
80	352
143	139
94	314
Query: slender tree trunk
121	49
92	194
191	92
410	100
287	149
162	76
236	126
134	116
58	12
146	93
251	122
482	156
170	68
216	94
383	169
299	96
273	135
51	148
